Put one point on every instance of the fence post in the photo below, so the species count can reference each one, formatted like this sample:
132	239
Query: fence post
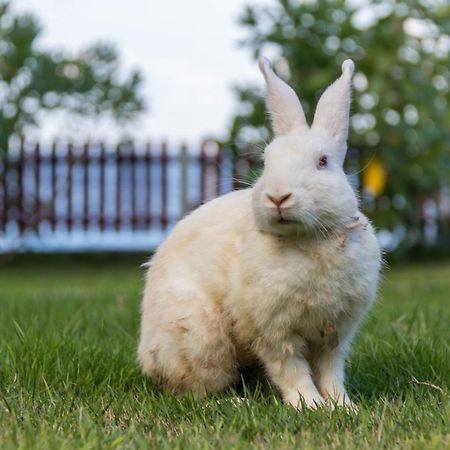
184	162
20	205
235	171
202	173
102	162
86	161
53	163
219	169
118	220
69	218
133	187
148	182
164	159
4	212
37	187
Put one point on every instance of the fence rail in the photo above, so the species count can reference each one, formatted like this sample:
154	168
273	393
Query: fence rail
79	188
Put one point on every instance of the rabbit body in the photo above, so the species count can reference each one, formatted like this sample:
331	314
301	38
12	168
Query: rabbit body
220	295
280	274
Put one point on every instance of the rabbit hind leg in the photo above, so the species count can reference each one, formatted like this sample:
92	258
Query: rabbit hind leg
194	353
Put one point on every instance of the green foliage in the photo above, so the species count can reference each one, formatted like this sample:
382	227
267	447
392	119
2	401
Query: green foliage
69	376
33	80
400	110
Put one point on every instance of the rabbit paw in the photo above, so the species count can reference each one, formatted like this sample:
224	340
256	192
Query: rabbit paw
305	400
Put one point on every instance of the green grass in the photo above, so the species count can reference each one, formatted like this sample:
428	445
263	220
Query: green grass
69	378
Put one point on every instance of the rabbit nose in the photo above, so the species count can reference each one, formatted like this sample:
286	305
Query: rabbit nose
279	199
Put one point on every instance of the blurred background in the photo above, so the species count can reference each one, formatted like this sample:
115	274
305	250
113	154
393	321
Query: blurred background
116	118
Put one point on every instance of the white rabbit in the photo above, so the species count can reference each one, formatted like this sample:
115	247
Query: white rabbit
280	274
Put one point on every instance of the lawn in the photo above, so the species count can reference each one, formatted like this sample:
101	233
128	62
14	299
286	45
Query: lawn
69	378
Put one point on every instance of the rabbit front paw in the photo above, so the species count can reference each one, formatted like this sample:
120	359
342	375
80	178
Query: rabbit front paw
341	400
305	400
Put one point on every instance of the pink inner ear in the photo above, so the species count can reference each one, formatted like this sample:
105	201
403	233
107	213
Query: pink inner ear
333	110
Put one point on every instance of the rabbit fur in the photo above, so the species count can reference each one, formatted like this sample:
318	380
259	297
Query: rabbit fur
280	274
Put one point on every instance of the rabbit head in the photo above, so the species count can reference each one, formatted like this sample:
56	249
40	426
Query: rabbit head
303	187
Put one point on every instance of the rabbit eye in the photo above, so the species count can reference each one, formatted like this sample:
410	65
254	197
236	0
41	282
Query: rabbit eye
323	162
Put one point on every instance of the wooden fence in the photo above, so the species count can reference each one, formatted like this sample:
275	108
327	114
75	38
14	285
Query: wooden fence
55	194
81	187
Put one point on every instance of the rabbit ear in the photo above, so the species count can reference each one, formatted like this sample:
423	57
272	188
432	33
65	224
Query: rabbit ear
284	106
333	109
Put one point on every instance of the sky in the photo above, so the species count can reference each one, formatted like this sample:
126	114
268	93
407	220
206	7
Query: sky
187	52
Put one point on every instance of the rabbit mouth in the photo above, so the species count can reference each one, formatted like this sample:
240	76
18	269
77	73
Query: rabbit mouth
283	221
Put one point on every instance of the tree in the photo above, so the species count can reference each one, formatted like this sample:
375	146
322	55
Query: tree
400	111
32	80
